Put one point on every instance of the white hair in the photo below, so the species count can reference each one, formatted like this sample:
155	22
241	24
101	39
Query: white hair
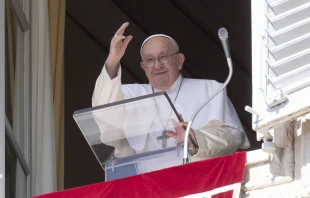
159	35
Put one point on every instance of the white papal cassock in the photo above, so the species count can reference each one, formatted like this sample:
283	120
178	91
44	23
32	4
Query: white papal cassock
217	127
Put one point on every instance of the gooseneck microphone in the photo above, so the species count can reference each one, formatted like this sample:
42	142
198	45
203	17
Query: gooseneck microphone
223	35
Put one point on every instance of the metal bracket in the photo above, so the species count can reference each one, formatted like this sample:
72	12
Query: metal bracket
271	148
113	165
264	135
276	99
252	111
179	148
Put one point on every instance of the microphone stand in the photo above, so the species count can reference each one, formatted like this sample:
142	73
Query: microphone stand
230	66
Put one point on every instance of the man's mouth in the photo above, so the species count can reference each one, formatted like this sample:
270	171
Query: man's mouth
159	73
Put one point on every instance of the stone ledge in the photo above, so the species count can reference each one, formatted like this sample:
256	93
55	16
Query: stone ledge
256	184
256	156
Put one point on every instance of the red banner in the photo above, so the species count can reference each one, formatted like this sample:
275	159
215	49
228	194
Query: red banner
218	176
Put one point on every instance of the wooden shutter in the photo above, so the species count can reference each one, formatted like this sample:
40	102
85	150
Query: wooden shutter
280	61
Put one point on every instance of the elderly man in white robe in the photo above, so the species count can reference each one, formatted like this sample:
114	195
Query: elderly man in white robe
216	130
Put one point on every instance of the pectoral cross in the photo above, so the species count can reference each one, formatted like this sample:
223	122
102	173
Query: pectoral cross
164	138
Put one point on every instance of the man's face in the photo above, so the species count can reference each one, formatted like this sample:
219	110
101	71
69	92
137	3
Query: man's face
161	76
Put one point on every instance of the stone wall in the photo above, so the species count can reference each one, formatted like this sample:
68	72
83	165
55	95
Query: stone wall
285	173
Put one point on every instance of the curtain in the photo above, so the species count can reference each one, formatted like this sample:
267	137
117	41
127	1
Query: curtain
57	30
43	136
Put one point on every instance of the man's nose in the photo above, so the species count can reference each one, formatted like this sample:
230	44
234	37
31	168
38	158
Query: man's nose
157	64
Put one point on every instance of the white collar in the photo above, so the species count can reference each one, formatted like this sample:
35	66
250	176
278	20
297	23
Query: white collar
175	86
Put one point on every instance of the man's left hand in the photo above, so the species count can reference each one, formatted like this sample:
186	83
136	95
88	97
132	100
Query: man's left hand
179	134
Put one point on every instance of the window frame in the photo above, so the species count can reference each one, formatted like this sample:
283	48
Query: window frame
22	12
2	99
291	104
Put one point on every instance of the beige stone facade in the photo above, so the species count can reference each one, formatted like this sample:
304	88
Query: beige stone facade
285	173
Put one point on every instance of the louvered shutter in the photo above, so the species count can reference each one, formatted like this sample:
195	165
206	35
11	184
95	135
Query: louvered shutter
280	61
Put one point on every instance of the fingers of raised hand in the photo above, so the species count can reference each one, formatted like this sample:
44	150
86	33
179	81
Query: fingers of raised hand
127	40
118	38
122	29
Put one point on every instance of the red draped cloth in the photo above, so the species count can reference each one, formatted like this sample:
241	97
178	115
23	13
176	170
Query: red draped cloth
178	181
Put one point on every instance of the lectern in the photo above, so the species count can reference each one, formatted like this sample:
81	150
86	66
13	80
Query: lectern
129	137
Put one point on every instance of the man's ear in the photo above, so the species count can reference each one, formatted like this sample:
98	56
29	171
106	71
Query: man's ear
181	59
142	66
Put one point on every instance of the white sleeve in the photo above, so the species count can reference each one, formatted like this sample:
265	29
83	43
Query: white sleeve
107	90
214	141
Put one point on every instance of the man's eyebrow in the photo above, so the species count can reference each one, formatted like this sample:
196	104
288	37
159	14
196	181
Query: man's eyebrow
148	56
163	53
160	54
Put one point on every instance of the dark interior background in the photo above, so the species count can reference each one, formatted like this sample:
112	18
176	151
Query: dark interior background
91	24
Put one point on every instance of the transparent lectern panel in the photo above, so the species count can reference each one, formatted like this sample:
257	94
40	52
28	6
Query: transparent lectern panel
130	127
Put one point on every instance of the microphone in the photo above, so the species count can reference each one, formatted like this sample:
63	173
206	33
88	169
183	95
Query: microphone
223	35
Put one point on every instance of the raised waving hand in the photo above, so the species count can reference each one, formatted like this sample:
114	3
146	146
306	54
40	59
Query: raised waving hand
118	48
